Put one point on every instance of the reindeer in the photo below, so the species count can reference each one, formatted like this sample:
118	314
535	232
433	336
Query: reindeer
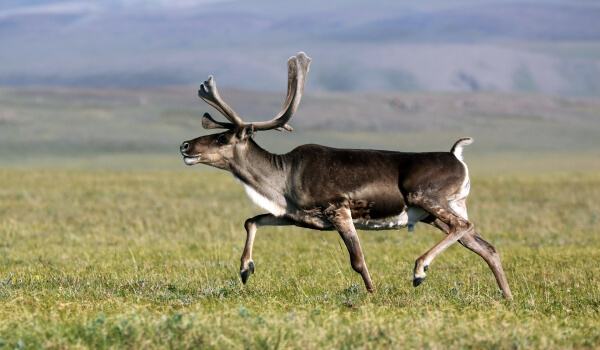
324	188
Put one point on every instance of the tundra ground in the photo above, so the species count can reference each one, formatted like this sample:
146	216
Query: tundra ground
113	259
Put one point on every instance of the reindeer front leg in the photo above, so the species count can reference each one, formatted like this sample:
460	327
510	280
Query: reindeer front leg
251	225
341	218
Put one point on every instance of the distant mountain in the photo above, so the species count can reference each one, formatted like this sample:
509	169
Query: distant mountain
545	46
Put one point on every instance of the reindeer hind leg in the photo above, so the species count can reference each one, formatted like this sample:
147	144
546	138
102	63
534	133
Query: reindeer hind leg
477	244
457	227
474	242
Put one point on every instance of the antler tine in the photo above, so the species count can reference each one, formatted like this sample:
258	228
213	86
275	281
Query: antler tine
209	123
208	92
297	70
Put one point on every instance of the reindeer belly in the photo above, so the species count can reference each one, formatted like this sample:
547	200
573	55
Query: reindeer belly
409	217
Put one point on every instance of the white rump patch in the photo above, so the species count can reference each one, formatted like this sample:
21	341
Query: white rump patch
263	201
458	153
457	203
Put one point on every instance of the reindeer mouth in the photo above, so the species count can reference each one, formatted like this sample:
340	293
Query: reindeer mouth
191	160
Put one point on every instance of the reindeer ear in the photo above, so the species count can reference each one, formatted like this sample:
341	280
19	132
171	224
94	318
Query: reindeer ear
246	133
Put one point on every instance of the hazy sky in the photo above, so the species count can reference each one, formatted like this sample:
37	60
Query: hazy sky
435	45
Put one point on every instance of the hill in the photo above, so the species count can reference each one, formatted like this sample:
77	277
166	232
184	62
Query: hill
142	128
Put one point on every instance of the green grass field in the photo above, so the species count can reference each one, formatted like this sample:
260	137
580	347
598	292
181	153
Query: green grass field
107	240
113	259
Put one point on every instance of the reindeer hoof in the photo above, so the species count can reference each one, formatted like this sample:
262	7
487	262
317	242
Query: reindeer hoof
247	272
418	278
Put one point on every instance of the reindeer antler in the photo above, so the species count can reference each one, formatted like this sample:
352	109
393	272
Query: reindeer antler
208	92
209	123
297	71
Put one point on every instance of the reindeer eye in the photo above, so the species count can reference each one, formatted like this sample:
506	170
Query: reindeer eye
222	139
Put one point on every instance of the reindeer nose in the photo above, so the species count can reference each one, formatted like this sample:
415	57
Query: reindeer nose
184	147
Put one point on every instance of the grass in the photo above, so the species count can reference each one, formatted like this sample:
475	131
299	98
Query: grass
104	243
131	259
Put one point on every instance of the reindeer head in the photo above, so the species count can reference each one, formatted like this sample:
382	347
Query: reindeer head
219	150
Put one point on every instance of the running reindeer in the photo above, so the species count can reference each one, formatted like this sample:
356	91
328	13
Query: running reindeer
324	188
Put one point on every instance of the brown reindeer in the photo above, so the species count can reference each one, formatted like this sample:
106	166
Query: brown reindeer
325	188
